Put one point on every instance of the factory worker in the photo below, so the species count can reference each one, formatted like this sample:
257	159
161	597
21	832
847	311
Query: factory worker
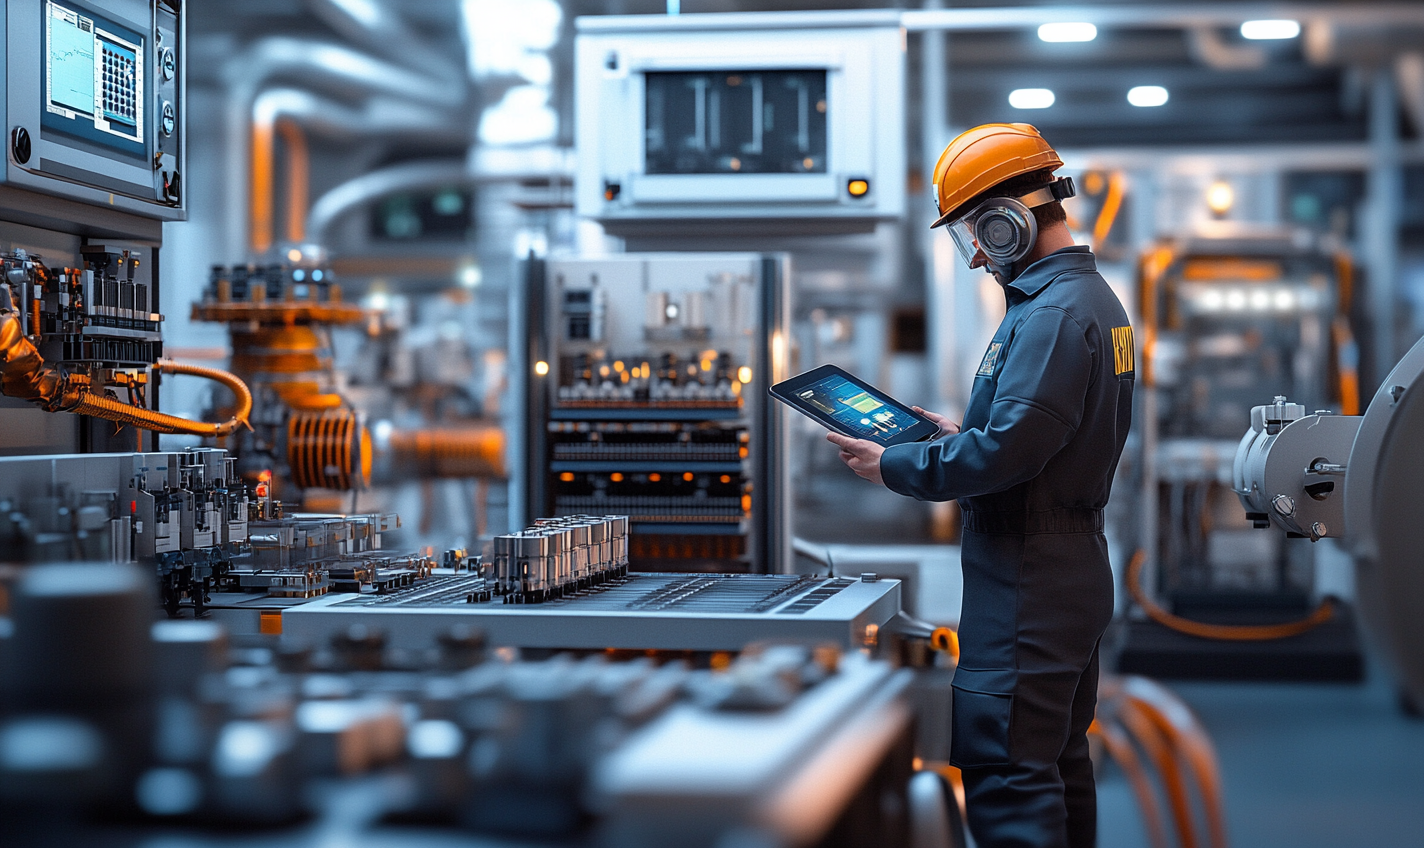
1031	466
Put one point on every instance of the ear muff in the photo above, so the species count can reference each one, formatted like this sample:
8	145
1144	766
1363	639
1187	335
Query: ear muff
1005	231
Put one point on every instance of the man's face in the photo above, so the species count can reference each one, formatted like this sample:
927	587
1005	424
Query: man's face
979	260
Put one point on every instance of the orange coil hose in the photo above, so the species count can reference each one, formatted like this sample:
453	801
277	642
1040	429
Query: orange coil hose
328	449
1224	632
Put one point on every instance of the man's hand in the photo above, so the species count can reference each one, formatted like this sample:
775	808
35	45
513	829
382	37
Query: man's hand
862	456
946	427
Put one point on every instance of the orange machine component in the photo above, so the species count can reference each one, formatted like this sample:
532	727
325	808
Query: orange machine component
474	451
329	450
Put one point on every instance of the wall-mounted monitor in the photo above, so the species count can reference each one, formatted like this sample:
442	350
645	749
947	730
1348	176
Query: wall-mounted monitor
740	122
99	117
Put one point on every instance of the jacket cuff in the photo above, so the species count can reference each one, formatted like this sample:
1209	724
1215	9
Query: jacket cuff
899	465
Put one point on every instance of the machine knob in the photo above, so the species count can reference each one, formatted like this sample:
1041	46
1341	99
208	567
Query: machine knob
169	120
1318	531
20	145
169	63
1284	504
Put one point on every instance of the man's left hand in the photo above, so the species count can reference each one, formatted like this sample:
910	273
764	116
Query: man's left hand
861	455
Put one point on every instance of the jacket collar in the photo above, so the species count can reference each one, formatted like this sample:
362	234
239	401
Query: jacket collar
1076	257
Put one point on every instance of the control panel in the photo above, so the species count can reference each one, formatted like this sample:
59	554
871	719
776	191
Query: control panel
99	118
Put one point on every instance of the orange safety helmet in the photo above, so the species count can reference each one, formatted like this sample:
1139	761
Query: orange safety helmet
981	158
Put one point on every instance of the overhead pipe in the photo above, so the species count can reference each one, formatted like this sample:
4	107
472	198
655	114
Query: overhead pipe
486	168
333	69
288	113
374	185
377	27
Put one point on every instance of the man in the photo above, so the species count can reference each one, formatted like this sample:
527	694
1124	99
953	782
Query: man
1031	466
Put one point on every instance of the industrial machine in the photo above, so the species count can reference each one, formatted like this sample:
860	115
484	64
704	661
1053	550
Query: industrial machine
304	434
649	397
744	123
1225	317
1355	478
107	721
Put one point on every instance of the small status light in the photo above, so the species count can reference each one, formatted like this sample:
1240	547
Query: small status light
858	188
744	374
1067	31
654	477
1031	98
567	476
1220	197
618	365
294	255
541	368
687	475
471	276
616	477
264	476
1270	30
725	478
1147	96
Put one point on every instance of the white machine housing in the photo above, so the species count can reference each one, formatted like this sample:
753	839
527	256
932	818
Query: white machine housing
863	58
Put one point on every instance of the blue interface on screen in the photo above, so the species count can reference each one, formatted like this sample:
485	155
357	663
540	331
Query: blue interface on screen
858	412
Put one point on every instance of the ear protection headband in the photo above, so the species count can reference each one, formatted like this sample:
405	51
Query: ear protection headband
1005	228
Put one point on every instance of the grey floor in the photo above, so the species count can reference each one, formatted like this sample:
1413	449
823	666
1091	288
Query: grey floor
1303	766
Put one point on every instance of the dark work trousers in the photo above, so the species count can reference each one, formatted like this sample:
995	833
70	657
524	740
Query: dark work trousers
1035	607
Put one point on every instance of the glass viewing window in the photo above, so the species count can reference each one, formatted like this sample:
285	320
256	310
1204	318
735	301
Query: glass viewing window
736	122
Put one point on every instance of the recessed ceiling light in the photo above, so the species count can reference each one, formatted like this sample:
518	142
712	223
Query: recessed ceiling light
1270	29
1031	98
1067	31
1147	95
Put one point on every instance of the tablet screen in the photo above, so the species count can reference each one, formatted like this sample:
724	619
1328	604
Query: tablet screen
859	412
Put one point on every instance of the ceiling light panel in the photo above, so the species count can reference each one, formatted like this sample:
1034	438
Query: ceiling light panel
1147	95
1266	30
1031	98
1067	31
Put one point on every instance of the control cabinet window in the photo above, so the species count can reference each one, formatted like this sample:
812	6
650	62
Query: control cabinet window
750	122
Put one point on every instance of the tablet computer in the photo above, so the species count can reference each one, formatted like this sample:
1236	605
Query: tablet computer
849	405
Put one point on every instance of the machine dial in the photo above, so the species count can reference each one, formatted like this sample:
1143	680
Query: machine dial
169	120
169	63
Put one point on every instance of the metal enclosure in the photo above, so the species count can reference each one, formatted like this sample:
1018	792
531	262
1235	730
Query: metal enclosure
649	398
94	102
1227	321
740	121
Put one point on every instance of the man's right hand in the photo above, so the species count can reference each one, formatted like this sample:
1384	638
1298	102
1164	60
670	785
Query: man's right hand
946	427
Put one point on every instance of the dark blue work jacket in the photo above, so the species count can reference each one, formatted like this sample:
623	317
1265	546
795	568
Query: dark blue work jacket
1048	415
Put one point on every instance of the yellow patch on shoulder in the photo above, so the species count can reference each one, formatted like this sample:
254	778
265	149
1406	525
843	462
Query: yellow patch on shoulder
1123	350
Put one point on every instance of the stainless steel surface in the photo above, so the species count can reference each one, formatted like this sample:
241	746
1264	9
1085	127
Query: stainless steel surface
647	611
